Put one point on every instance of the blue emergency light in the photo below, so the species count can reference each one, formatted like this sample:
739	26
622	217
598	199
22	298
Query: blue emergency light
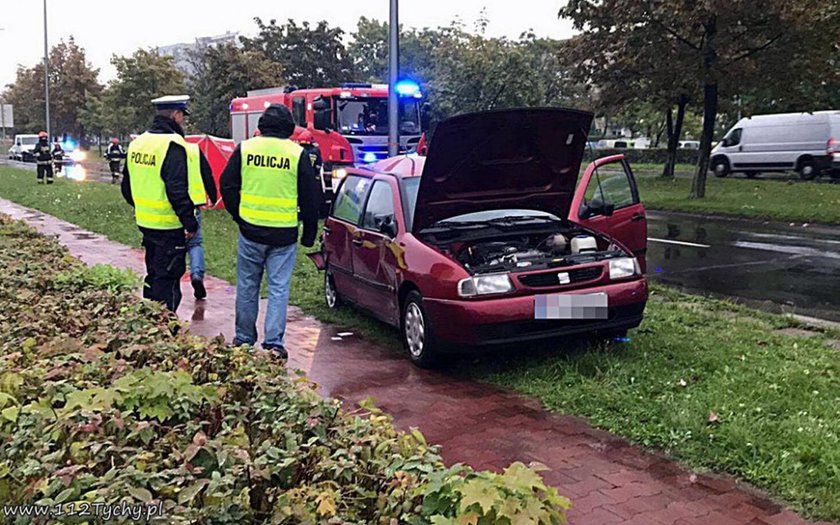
408	88
369	157
68	145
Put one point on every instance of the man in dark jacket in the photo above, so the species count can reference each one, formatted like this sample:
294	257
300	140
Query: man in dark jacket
155	183
43	158
267	181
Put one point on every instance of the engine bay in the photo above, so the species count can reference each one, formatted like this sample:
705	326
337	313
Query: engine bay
528	251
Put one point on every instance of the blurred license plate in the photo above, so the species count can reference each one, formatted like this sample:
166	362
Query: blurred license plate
580	306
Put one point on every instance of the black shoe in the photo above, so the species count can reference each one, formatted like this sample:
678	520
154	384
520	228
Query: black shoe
237	343
49	181
198	286
278	352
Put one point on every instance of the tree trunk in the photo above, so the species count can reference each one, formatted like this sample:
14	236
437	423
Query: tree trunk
710	103
674	134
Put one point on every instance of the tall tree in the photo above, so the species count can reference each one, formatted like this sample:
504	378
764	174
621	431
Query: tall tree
141	77
71	76
223	73
724	47
309	56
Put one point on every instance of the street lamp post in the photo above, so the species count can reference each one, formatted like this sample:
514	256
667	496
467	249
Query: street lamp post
47	74
393	77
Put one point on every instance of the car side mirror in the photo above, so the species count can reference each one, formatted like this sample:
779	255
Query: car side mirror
387	226
598	207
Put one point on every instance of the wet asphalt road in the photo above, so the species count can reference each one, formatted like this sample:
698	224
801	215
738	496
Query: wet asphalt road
771	265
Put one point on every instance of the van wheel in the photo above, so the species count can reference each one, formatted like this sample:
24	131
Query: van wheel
807	169
720	165
835	174
417	334
331	296
752	174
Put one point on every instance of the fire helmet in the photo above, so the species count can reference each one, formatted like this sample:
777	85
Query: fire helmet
42	134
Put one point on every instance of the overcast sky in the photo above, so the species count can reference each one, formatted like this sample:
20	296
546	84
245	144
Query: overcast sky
104	28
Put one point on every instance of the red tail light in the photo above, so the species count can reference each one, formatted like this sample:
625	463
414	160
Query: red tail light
833	146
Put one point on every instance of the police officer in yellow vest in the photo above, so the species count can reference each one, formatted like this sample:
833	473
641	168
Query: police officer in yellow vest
157	183
266	183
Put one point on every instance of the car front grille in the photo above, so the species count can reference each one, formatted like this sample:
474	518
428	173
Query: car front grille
544	280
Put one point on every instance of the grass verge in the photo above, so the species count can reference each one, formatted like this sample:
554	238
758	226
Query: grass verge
755	199
775	397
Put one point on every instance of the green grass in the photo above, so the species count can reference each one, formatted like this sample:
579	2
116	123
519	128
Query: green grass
757	199
777	396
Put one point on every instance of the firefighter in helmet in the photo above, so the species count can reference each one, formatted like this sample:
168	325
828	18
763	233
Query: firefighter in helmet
58	156
115	153
311	150
43	158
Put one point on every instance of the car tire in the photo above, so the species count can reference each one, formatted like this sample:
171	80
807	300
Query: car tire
331	296
417	334
807	169
720	166
835	174
752	174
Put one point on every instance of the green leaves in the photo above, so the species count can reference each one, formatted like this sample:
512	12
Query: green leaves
123	410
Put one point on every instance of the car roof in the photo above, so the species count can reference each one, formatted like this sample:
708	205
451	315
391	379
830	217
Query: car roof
402	167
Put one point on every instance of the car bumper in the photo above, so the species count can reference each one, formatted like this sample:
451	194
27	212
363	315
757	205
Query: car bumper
835	161
511	319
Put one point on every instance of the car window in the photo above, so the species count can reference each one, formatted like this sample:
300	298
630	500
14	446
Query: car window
348	204
733	138
616	186
380	205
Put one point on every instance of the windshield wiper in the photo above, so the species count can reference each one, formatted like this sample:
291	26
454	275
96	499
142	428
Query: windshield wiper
521	218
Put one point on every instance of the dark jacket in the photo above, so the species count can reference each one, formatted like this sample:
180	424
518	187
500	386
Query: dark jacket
57	153
207	179
115	152
43	152
309	198
173	171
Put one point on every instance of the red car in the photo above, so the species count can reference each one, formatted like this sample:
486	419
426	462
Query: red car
489	239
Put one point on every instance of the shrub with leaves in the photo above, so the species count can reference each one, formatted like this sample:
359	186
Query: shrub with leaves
101	401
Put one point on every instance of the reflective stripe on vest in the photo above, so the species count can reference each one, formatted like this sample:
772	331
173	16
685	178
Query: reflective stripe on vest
145	158
196	184
269	182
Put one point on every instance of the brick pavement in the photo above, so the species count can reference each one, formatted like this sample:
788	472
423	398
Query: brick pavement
608	480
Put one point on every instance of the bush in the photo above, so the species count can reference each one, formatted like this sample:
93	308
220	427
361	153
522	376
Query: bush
644	156
101	402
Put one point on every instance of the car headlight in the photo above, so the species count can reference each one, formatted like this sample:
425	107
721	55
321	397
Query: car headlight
624	267
339	173
484	285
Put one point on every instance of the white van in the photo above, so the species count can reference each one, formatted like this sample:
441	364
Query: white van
782	142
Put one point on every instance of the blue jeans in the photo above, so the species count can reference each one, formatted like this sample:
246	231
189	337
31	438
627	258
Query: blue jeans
196	251
278	262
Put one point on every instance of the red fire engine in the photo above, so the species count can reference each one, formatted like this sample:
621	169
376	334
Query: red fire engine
349	122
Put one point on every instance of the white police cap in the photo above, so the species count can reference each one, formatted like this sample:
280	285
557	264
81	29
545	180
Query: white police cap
173	102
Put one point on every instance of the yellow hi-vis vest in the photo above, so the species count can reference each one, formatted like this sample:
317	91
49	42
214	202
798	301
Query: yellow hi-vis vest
269	182
196	184
145	160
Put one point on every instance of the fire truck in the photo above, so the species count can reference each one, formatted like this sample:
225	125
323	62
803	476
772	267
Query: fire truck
349	122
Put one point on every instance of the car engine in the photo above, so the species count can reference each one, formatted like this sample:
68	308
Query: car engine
531	252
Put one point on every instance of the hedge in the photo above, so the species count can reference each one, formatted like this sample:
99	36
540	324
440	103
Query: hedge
647	156
103	400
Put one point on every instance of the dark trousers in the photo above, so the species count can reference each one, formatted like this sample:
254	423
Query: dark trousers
114	165
166	263
45	170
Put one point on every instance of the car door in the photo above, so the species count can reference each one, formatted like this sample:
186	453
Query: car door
611	181
374	260
340	230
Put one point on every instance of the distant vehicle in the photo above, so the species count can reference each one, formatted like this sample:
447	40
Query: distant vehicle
804	142
689	144
616	144
22	148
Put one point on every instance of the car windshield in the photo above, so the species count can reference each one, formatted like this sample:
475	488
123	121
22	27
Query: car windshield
369	116
28	141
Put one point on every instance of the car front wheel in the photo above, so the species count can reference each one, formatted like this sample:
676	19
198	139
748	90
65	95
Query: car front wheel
417	335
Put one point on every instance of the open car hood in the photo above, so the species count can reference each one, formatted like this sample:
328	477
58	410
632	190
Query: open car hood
517	158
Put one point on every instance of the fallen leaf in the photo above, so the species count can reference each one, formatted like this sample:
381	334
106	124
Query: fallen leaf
713	417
